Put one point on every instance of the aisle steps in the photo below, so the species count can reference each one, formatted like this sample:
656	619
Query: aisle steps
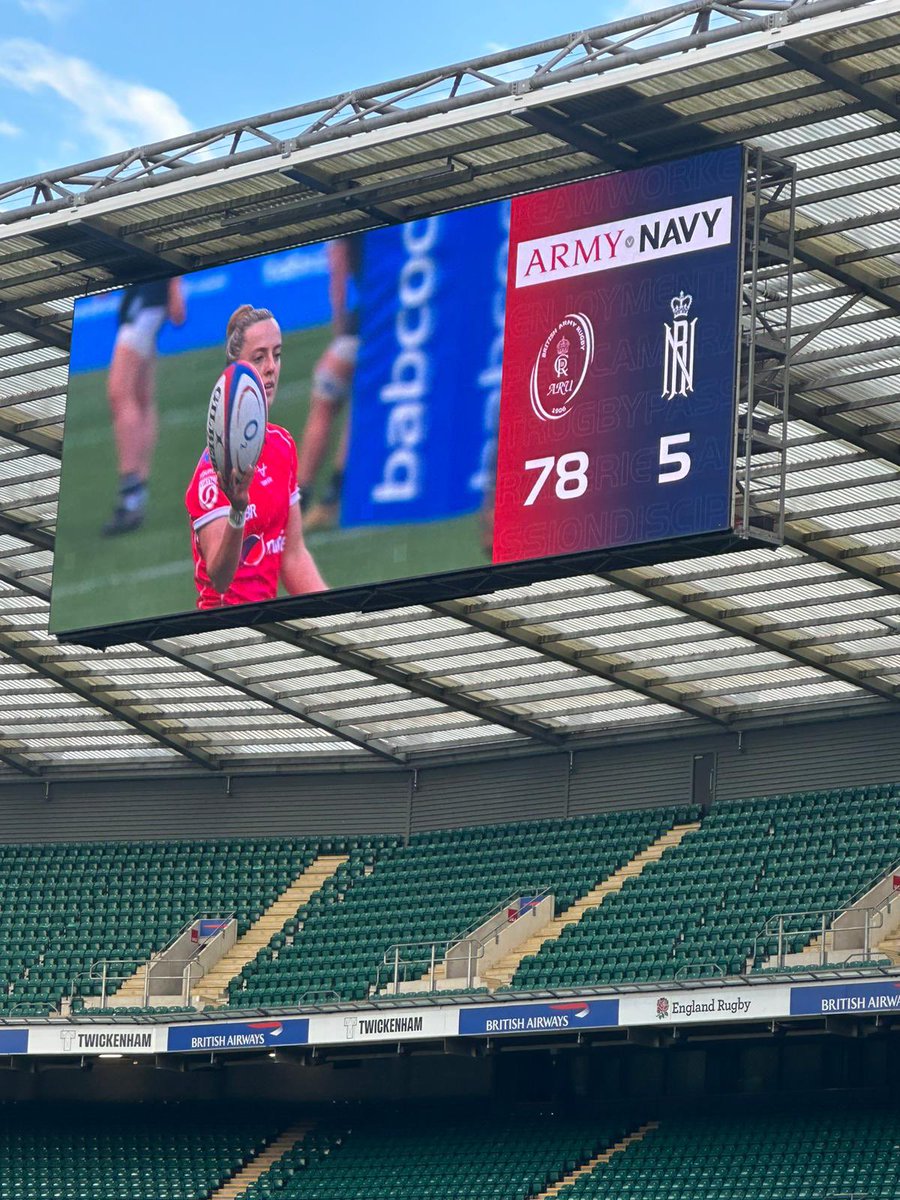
212	989
604	1157
500	974
235	1187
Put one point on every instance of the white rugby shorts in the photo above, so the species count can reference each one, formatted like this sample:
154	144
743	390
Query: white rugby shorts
140	331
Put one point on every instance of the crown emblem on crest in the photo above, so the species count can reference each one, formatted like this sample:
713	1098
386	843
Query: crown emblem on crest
681	304
563	345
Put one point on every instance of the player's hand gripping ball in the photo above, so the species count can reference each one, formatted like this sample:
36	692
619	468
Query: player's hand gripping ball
236	422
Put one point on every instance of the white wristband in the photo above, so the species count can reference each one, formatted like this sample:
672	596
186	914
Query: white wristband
236	519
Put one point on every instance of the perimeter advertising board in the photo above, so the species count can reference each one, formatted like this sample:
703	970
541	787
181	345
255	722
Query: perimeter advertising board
89	1039
725	1005
403	472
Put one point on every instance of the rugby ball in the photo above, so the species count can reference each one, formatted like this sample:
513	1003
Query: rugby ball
236	421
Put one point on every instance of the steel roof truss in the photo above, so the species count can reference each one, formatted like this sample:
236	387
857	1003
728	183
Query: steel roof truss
743	624
99	692
293	708
417	683
583	656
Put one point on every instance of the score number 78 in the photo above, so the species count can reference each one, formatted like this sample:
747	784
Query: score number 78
571	469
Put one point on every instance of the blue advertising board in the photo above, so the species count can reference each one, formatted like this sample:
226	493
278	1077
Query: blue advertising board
426	392
240	1035
845	998
13	1041
539	1018
293	283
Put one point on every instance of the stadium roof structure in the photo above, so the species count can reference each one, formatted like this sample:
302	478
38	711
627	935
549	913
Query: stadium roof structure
739	641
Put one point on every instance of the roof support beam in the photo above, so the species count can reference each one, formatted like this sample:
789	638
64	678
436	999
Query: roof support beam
136	246
841	80
316	181
811	256
44	333
13	756
413	681
584	657
840	426
580	137
30	434
98	692
753	627
304	713
826	546
34	534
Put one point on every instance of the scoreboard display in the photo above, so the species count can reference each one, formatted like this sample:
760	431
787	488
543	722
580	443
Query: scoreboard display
471	399
619	361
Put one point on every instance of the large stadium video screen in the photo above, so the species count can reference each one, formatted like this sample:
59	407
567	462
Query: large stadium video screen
517	383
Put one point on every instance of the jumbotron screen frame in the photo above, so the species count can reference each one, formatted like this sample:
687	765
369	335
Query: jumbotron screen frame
560	333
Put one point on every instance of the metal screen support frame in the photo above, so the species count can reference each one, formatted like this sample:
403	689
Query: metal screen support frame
764	356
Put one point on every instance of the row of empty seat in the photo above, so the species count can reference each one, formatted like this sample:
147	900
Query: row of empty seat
437	886
697	910
439	1155
817	1147
65	907
108	1152
851	1152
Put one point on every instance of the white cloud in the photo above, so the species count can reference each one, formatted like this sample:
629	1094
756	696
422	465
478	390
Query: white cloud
53	10
7	129
115	113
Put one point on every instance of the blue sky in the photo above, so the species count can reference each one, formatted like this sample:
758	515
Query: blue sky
84	78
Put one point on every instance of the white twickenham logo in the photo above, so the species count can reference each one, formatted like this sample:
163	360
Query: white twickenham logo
678	357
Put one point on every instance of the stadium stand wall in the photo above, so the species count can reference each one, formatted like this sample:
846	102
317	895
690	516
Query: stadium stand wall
660	1076
794	758
384	1076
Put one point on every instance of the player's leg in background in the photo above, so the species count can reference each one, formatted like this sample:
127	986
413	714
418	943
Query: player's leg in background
326	512
130	389
148	425
332	379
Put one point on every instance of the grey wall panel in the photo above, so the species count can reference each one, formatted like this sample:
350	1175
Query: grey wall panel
369	802
810	757
490	793
634	776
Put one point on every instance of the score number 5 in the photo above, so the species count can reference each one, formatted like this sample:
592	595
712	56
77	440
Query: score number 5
678	461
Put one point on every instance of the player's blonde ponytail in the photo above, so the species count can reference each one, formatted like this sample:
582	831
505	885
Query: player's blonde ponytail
238	324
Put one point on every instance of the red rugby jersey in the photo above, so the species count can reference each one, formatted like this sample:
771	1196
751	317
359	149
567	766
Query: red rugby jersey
272	492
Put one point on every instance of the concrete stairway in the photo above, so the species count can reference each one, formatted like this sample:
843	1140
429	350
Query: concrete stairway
890	948
244	1176
131	993
637	1136
501	973
212	989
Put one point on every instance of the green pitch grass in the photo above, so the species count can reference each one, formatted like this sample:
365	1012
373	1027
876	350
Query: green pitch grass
149	573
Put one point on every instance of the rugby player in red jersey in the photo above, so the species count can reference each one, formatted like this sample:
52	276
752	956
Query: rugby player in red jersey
247	533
